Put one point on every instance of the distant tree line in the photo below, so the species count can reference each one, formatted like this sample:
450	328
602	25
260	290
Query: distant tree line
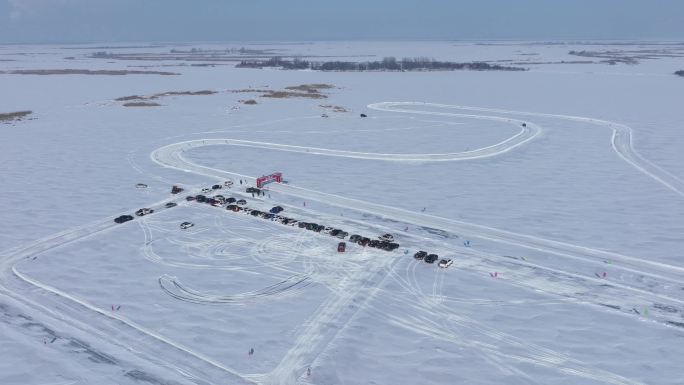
680	73
386	64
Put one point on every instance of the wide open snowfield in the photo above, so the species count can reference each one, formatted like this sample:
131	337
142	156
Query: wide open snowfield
559	209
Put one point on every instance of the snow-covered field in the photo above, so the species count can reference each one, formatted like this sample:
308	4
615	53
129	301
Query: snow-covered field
557	192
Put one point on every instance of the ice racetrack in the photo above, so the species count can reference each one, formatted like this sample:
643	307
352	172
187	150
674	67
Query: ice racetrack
361	286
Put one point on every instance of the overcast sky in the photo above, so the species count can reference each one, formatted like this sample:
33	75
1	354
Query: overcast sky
39	21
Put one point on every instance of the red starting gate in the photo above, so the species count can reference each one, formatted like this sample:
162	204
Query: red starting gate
275	177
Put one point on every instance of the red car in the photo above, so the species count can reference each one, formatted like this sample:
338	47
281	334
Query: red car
341	247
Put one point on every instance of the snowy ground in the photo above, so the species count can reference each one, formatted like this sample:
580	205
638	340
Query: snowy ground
578	215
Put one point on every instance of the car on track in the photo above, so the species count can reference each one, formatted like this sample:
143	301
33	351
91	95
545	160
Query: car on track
431	258
444	263
364	115
141	185
228	183
420	255
144	211
186	225
276	209
168	205
123	218
216	187
189	198
341	247
241	202
206	190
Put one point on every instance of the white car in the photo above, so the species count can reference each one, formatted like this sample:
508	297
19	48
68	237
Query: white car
143	211
206	190
228	183
186	225
445	263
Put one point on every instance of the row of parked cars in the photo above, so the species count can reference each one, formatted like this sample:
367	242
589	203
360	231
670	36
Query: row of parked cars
384	242
431	258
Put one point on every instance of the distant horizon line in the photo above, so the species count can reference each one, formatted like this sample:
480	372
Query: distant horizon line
311	41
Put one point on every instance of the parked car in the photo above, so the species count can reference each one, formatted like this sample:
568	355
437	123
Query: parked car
354	238
231	200
327	230
235	208
123	218
206	190
216	187
445	263
342	234
255	212
241	202
302	225
186	225
200	198
387	237
374	243
189	198
170	204
341	247
253	190
228	183
334	232
176	190
276	209
364	241
420	255
144	211
431	258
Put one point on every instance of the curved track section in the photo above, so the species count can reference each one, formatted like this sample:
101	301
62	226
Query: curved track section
621	139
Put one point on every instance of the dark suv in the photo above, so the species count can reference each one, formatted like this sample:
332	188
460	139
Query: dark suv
431	258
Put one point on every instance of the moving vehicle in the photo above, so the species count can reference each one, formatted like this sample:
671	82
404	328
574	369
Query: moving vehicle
341	247
445	263
144	211
141	185
276	209
420	255
186	225
216	187
123	218
431	258
170	204
228	183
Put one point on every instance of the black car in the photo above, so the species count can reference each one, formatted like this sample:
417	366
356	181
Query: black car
170	204
241	202
123	218
253	190
276	210
189	198
302	225
431	258
342	234
233	207
255	212
216	187
231	200
364	241
374	243
364	115
211	201
420	255
201	198
334	232
354	238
